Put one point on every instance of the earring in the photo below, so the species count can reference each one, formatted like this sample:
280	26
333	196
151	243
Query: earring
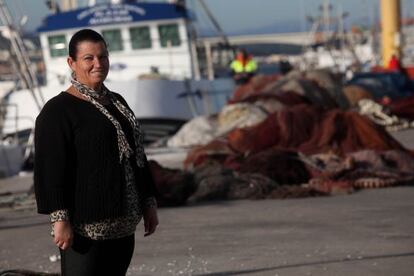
73	75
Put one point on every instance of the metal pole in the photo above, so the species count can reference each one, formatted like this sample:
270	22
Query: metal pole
194	57
341	32
209	60
192	44
326	19
391	30
170	58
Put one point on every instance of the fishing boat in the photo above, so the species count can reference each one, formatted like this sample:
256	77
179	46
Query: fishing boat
153	66
152	63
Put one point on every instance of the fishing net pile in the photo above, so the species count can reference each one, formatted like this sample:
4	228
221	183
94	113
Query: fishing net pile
386	99
281	137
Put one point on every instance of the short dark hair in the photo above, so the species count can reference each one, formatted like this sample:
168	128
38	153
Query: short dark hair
81	36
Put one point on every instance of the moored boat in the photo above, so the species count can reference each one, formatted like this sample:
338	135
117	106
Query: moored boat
151	64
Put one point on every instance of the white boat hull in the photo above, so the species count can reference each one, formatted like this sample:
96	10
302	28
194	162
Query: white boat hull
149	99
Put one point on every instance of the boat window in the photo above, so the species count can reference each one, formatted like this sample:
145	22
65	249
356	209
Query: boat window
57	45
140	37
114	40
169	35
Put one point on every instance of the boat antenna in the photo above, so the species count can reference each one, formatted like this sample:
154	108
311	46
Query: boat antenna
53	6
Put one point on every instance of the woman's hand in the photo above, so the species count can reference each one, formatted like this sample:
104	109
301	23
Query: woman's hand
150	220
63	234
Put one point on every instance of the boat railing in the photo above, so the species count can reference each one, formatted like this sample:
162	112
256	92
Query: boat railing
9	126
212	99
5	119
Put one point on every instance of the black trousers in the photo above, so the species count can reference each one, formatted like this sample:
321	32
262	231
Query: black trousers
89	257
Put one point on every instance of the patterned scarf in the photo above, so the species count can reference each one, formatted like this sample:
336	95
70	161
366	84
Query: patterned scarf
124	147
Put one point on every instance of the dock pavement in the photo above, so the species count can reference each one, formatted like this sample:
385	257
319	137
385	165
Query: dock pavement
369	232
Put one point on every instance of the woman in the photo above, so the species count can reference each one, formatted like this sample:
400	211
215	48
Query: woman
91	173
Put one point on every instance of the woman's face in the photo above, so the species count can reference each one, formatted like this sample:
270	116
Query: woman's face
92	64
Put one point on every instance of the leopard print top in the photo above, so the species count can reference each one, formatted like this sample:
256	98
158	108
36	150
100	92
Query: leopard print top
112	228
124	148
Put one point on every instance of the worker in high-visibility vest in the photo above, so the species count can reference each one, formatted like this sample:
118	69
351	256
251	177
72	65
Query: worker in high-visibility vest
243	67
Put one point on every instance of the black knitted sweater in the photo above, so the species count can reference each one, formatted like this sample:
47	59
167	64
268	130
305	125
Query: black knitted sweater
77	163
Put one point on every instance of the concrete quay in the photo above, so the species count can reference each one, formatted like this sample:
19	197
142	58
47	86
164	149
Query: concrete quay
368	233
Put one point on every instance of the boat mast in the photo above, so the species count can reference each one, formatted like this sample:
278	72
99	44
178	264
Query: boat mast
191	33
223	36
215	23
326	9
29	78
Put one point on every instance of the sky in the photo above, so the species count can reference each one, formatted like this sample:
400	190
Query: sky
244	16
